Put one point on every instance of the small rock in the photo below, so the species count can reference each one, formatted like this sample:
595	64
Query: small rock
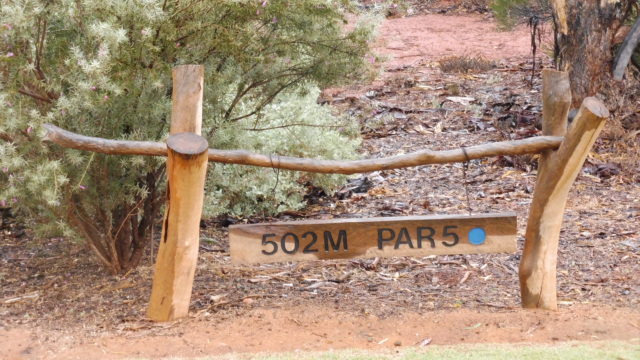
248	301
399	115
397	343
216	298
606	171
464	100
632	243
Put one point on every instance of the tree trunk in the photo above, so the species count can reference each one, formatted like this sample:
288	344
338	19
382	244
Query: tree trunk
584	38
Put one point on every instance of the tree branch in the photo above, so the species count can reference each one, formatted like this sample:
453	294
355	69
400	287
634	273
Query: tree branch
626	51
268	100
296	124
26	92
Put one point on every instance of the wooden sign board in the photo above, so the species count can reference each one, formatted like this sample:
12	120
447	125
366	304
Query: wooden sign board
373	237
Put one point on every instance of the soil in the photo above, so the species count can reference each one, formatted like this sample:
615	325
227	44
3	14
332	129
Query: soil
277	328
57	303
412	40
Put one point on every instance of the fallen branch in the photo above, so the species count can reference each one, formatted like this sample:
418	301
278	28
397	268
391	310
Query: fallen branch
532	145
626	51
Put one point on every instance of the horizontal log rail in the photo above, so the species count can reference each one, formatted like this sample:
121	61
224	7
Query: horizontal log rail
531	145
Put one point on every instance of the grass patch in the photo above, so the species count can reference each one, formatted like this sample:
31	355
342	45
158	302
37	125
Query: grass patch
564	351
465	64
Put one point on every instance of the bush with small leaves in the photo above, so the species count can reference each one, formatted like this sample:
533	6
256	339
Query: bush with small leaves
103	68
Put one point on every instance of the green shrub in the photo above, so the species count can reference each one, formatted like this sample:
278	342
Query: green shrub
513	12
270	190
103	68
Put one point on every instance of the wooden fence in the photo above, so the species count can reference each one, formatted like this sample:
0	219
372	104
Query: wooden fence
562	150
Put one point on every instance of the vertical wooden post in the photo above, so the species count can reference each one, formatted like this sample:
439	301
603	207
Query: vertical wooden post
186	172
557	173
178	253
186	107
556	103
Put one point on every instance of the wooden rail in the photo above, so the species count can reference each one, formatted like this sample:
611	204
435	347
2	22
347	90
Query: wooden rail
562	157
531	145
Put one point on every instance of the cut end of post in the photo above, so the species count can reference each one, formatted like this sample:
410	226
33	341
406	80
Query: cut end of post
187	143
50	129
596	107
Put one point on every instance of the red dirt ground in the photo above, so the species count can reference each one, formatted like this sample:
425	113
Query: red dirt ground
407	41
324	328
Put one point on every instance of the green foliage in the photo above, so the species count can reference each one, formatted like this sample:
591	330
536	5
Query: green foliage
103	68
502	9
263	190
512	12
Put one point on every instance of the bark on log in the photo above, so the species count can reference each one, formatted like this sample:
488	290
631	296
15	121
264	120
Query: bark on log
531	145
538	264
178	252
72	140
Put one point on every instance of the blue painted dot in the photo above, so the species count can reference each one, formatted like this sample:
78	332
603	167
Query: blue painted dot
477	236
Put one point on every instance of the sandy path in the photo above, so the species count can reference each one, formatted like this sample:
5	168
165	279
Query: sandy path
316	328
409	40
